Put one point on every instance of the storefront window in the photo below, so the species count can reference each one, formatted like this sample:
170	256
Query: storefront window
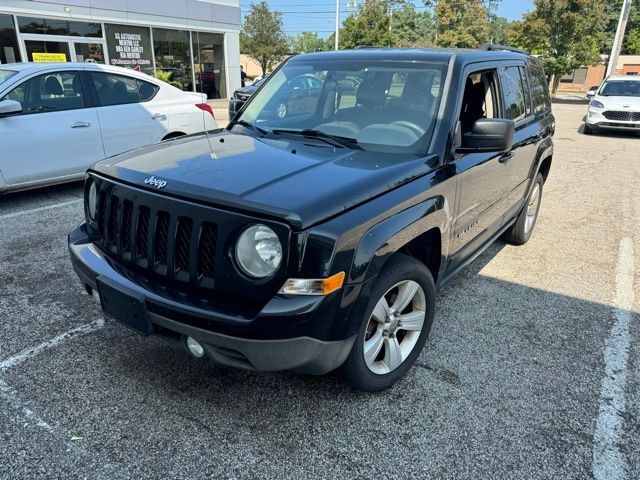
173	57
9	51
129	47
41	51
57	26
208	64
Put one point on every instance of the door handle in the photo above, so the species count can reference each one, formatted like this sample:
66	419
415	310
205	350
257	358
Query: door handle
507	156
81	125
159	116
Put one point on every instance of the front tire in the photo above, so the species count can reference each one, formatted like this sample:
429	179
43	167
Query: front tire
521	231
587	130
395	324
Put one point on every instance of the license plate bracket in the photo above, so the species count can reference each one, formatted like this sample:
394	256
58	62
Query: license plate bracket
123	305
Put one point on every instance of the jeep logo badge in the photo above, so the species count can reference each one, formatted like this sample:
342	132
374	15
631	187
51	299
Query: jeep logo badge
155	182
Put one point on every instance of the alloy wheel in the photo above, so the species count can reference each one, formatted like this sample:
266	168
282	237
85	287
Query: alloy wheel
394	327
532	208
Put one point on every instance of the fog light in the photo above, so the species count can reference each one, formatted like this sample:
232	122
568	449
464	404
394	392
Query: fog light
195	348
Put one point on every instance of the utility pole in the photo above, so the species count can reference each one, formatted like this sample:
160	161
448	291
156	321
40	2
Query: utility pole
337	23
617	42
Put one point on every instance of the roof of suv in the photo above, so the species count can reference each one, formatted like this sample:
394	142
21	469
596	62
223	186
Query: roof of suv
412	54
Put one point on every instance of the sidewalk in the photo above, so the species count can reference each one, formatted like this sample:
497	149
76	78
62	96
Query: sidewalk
220	111
567	98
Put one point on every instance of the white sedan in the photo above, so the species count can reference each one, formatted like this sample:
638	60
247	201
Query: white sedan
57	119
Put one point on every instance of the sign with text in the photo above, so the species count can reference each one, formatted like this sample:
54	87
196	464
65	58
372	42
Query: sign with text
129	46
49	57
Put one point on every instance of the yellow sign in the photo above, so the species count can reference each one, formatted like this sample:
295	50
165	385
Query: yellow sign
49	57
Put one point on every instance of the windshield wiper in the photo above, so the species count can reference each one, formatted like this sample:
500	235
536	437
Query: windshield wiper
336	140
250	126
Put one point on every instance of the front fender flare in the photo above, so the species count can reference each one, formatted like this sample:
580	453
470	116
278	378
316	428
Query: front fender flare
390	235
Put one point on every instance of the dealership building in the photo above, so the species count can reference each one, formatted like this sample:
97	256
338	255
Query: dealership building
193	44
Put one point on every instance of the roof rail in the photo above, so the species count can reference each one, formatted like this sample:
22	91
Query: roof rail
364	47
504	48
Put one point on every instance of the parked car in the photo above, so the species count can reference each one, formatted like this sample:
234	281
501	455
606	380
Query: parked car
57	119
242	94
299	95
615	105
316	241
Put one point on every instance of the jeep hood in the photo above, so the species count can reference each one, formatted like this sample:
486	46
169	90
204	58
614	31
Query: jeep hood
302	182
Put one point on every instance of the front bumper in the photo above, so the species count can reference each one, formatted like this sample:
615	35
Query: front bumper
595	119
304	334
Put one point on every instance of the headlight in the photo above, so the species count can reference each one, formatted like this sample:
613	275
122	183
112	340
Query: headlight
92	200
259	251
596	104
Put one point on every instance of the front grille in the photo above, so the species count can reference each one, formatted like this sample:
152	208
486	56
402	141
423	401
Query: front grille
621	116
176	247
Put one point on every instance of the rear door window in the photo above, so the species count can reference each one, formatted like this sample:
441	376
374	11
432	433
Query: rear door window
51	92
515	92
115	89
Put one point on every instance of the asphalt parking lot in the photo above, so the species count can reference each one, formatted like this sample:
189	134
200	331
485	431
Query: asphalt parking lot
532	369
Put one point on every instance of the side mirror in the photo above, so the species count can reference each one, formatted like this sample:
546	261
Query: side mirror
10	107
234	107
591	93
490	135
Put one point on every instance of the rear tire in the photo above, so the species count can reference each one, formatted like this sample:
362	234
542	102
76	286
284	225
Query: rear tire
521	231
390	339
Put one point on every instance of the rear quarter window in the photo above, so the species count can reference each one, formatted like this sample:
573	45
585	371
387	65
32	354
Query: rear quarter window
539	88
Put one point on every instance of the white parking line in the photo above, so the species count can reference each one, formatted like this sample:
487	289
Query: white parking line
39	209
33	351
609	463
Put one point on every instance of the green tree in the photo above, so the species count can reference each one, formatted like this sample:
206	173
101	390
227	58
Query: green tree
262	36
369	25
631	43
499	28
307	42
567	34
462	23
410	28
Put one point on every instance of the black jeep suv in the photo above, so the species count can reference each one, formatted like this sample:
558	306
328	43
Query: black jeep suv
316	240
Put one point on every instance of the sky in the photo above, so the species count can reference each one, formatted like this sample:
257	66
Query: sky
319	15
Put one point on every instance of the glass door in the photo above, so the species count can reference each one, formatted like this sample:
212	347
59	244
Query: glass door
89	52
46	51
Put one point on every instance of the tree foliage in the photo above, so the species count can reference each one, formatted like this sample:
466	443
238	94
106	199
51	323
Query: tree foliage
369	25
462	23
411	28
567	34
306	42
631	43
262	36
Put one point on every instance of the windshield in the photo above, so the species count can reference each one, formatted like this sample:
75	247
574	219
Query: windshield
6	75
621	88
381	106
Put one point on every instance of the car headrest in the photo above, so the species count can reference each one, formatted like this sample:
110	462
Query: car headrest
119	88
52	86
373	90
